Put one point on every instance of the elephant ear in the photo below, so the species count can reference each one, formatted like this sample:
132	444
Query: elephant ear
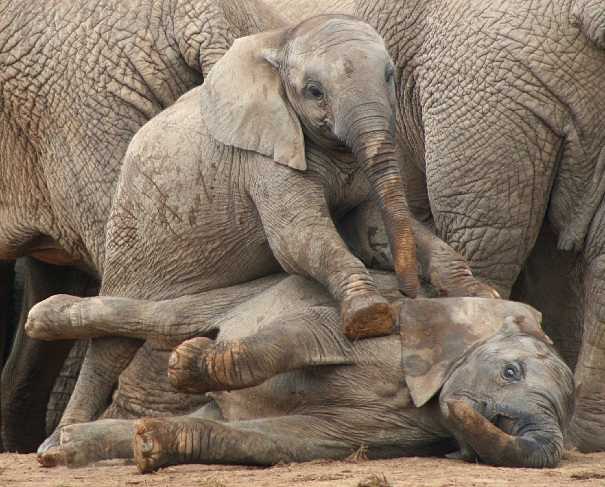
245	104
435	333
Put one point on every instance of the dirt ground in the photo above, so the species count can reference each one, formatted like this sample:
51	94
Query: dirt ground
576	470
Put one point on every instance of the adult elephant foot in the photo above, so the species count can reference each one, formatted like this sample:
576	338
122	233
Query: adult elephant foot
82	444
156	443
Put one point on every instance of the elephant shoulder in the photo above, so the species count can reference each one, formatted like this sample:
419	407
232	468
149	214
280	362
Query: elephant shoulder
177	133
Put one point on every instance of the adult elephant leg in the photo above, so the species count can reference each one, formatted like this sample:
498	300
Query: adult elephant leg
588	426
551	281
33	366
64	385
489	192
160	442
7	277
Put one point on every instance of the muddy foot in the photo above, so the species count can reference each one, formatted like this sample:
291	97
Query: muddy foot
184	370
367	316
55	318
154	444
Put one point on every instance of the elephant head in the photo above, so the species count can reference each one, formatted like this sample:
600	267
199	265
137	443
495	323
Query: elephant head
329	79
504	392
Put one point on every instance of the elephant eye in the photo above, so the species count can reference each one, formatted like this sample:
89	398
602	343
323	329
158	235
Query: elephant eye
389	73
314	91
511	373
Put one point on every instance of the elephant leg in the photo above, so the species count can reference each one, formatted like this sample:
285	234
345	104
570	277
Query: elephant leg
588	426
440	265
33	366
85	443
64	385
171	441
7	277
551	281
303	339
489	193
305	241
104	439
169	321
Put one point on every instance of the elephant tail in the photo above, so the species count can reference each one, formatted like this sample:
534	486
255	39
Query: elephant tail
589	16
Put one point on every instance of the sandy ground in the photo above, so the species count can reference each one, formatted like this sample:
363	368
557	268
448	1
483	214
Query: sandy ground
577	470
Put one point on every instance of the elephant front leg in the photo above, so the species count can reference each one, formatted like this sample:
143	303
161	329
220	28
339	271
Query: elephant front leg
439	264
305	241
172	441
587	431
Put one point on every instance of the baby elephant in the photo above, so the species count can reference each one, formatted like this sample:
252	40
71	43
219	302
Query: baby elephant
291	129
471	375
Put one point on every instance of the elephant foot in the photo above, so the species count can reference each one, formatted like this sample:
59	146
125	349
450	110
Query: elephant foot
48	453
85	443
155	443
367	316
184	370
55	318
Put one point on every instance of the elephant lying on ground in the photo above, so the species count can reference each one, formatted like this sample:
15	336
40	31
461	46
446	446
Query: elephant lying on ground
79	78
502	116
287	386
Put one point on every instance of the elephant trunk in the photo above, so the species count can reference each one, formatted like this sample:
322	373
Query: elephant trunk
370	137
539	446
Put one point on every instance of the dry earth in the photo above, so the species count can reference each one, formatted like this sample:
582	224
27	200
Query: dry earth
576	470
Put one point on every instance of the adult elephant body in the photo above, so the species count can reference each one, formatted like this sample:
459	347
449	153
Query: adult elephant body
503	117
78	80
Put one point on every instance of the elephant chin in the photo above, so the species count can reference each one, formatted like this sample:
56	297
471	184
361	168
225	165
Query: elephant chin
536	448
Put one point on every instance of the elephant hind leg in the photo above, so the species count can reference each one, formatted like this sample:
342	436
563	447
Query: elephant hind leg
86	443
303	339
160	442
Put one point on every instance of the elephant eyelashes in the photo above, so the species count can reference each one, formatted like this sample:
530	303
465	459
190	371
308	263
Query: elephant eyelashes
314	91
511	373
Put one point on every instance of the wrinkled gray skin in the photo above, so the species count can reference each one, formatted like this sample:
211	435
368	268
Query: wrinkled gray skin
234	212
143	388
475	370
78	79
503	121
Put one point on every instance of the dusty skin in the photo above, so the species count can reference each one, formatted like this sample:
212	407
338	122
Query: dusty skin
576	469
